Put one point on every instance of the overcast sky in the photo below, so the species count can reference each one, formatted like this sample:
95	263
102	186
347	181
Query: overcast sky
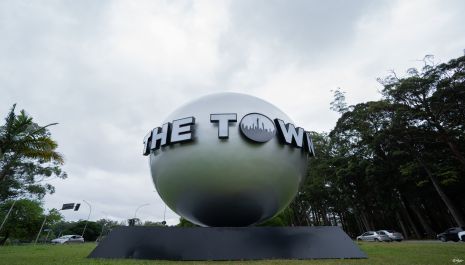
109	71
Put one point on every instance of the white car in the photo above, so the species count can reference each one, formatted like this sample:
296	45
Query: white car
68	239
374	236
461	235
393	235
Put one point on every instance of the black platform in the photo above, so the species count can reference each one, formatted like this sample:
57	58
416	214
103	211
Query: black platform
227	243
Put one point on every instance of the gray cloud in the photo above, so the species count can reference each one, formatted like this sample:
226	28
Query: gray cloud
307	30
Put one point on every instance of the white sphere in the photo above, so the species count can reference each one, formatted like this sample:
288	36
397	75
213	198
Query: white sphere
227	182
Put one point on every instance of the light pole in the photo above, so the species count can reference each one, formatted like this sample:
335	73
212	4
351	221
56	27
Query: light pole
164	212
40	231
140	206
6	216
90	211
164	215
48	233
66	206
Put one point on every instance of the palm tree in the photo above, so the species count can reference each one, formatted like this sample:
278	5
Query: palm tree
27	156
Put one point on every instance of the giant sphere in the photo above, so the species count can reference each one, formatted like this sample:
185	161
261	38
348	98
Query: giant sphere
227	182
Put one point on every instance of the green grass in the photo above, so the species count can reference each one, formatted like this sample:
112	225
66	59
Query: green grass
378	253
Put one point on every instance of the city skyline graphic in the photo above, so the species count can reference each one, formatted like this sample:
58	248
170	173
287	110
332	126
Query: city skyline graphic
257	127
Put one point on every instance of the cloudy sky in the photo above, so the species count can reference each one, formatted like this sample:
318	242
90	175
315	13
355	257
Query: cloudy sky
109	71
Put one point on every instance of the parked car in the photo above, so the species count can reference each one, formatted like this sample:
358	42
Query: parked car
450	234
68	239
393	235
374	236
461	235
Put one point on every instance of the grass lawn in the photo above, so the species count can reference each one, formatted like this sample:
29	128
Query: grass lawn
414	252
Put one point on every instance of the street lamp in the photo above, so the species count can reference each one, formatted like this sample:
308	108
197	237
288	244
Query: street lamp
164	216
40	231
164	212
6	216
140	206
66	206
90	211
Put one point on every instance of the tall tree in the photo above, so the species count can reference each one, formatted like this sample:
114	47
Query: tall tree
435	97
386	163
432	104
28	157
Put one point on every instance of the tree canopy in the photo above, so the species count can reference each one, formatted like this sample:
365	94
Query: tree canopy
28	157
396	163
25	219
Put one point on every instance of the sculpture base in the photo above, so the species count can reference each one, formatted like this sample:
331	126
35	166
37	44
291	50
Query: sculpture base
227	243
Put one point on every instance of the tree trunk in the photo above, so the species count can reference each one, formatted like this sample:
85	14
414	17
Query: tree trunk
7	235
343	221
365	221
314	219
318	218
409	219
360	225
444	136
334	218
7	167
307	219
312	216
452	209
402	225
2	175
429	231
324	214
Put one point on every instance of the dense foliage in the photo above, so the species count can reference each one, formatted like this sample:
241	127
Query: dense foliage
397	163
28	157
24	220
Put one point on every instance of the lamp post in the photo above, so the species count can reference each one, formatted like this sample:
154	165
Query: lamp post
40	231
164	213
7	214
48	233
140	206
90	211
66	206
164	216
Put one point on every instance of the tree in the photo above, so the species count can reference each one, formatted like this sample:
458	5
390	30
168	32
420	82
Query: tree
107	225
387	163
92	232
282	219
25	219
435	96
185	223
433	102
28	157
152	223
339	103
